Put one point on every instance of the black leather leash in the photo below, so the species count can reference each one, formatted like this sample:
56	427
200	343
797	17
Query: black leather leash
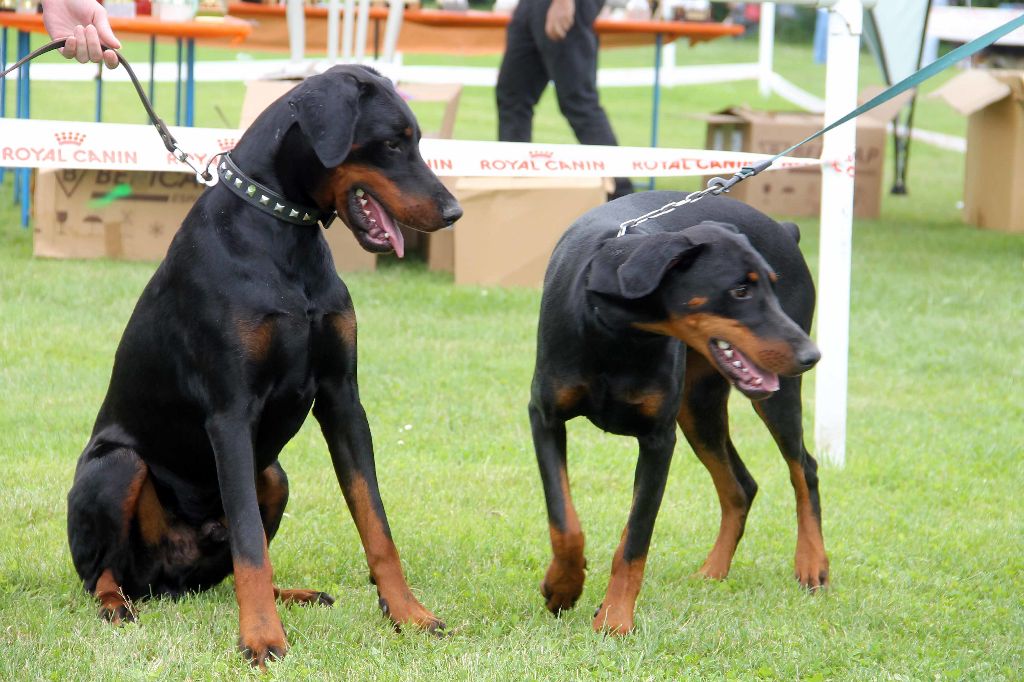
204	175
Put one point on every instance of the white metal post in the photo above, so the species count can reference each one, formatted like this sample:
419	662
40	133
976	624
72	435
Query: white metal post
348	29
396	12
296	18
765	48
362	23
333	16
839	146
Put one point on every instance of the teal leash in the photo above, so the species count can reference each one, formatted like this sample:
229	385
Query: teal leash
718	185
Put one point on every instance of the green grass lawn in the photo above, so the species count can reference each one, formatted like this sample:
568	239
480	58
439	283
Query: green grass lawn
924	526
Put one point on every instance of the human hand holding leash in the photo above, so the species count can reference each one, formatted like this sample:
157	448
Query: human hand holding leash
560	18
84	23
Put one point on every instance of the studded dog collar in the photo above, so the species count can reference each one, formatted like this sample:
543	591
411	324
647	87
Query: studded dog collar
268	201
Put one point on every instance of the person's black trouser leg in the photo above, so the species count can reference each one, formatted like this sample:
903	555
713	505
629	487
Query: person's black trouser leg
531	59
572	64
521	78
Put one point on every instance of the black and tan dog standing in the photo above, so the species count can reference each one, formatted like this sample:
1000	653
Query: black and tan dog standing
242	330
650	329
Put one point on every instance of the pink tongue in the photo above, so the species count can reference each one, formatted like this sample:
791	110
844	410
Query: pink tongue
384	220
769	380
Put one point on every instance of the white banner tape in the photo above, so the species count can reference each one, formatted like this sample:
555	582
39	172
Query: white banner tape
116	146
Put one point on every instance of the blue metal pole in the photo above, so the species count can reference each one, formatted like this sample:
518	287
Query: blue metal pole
25	176
20	105
3	88
3	67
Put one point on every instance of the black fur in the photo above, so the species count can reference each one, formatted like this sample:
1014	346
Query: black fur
616	316
244	328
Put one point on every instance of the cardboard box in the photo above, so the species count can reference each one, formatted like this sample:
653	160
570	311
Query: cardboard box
992	101
259	95
509	227
798	192
140	225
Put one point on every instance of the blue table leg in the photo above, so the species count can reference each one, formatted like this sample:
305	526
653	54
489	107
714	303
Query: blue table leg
656	104
25	174
177	90
190	85
99	93
21	105
152	71
3	87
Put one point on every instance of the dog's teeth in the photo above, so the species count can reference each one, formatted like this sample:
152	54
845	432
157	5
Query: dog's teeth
363	202
737	363
359	192
727	354
758	381
724	345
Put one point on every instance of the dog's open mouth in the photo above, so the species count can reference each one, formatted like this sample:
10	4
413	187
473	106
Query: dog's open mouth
374	229
754	382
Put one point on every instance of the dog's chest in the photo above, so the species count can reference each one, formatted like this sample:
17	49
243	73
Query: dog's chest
628	405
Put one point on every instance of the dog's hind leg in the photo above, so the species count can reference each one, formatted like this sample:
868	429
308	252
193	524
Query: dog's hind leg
783	415
101	506
563	582
272	496
704	419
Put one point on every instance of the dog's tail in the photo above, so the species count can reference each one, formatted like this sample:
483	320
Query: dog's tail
793	230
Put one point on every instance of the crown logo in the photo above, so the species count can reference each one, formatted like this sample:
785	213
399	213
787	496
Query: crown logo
541	155
227	143
75	139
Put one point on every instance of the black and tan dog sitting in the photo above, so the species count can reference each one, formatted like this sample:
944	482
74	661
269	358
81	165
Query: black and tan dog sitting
642	331
244	327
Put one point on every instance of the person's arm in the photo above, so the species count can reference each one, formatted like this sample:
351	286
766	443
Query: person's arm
561	16
84	23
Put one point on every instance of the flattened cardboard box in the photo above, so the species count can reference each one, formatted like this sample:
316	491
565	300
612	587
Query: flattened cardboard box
510	227
994	165
138	226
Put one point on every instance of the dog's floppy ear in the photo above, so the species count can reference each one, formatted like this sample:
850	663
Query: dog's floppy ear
327	116
632	266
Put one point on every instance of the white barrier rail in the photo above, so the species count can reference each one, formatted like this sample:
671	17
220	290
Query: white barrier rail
28	143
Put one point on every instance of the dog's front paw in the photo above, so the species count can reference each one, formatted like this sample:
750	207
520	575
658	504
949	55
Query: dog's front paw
613	619
812	569
407	610
260	645
563	585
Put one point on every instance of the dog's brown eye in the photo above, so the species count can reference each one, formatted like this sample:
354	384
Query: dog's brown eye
740	292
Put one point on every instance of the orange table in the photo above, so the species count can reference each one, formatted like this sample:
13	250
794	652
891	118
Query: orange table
472	32
463	33
228	31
